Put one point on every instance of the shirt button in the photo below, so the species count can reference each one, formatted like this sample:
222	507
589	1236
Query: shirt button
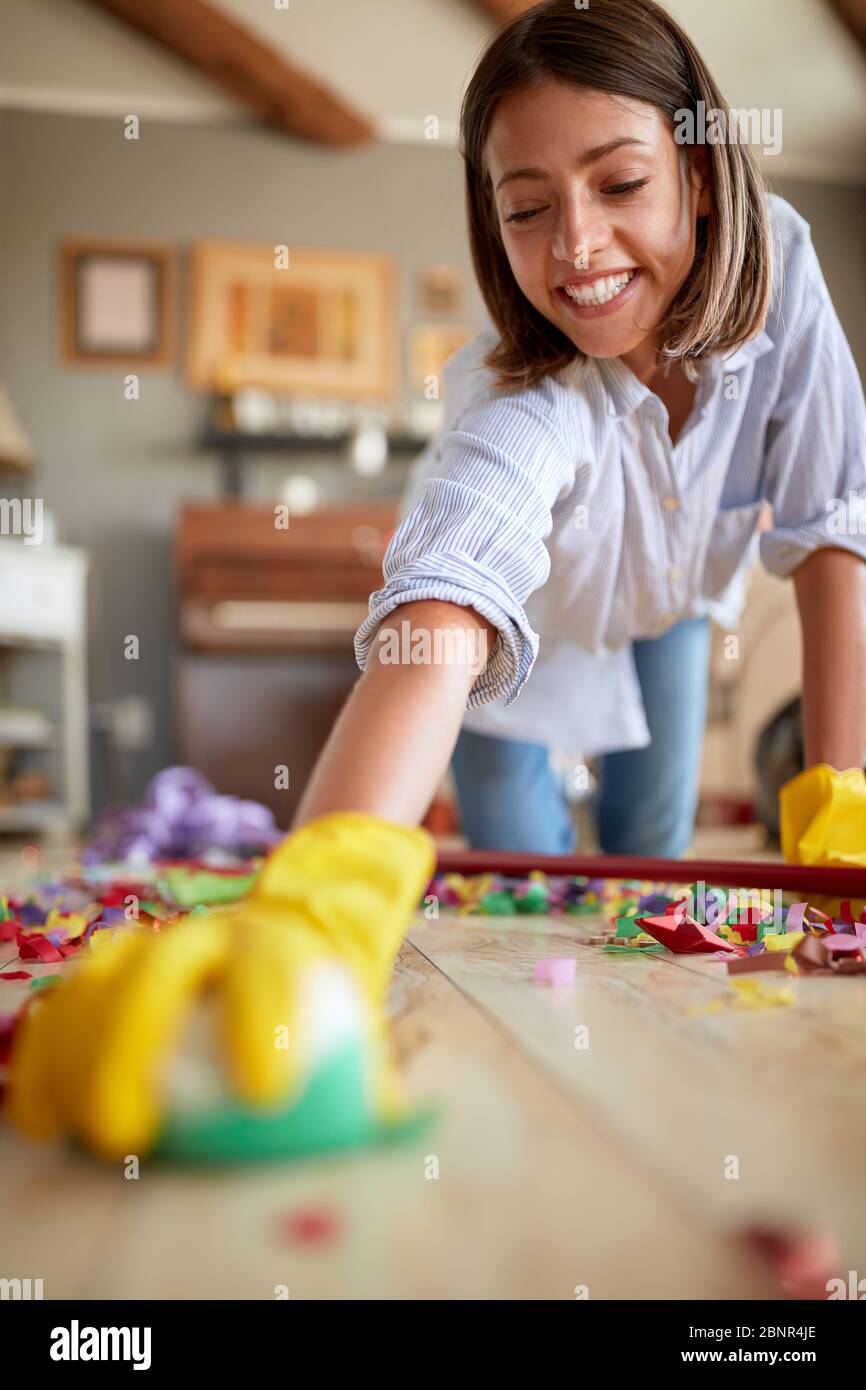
671	504
674	572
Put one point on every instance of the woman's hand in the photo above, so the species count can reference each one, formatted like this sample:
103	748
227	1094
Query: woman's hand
823	821
101	1057
823	817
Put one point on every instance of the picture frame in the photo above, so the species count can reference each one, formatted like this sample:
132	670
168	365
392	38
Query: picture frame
439	291
291	320
116	302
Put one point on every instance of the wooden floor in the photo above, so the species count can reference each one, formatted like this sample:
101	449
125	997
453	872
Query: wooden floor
560	1168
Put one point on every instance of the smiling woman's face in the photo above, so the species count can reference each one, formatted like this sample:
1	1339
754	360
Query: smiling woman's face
592	192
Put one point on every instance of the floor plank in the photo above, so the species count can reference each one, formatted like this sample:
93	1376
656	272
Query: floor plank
779	1090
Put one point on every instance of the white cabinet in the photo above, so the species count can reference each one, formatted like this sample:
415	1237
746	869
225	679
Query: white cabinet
43	670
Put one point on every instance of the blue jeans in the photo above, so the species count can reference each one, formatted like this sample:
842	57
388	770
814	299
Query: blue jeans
510	798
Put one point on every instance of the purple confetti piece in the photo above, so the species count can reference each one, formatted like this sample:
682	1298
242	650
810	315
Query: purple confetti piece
32	915
227	822
845	928
182	818
174	792
652	904
574	893
113	916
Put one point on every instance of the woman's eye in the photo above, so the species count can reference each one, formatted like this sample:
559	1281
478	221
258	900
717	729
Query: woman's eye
619	188
523	216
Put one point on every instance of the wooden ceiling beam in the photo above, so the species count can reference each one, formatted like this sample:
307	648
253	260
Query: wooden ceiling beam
216	45
503	11
853	15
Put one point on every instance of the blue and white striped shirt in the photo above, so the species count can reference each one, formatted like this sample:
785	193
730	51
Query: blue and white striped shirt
564	514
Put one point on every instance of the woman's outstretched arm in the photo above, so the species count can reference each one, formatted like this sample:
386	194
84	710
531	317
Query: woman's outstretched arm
395	735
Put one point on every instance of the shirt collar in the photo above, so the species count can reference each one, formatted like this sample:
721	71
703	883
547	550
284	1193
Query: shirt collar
626	393
748	352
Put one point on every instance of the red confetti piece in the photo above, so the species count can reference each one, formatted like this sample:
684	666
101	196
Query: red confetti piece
311	1226
686	937
17	975
803	1262
116	894
39	948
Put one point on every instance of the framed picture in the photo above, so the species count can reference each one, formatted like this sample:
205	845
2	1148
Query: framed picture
430	346
439	291
291	320
116	302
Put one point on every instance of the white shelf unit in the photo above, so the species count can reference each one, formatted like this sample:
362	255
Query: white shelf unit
43	664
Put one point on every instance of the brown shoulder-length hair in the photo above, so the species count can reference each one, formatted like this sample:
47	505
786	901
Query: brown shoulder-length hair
630	48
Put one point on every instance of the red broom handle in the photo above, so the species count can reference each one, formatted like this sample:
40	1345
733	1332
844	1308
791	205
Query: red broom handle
725	873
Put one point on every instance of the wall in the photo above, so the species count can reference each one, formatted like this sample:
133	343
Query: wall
116	471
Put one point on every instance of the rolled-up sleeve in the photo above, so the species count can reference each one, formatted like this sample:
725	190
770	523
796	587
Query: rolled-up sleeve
475	536
816	444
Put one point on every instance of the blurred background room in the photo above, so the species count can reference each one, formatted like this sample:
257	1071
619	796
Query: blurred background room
234	262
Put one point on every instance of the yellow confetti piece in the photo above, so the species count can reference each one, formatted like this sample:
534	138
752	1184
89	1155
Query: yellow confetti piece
100	939
778	941
713	1007
757	994
472	889
748	993
72	924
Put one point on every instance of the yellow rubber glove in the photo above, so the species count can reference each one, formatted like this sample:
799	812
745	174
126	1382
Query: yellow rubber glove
823	817
823	821
92	1056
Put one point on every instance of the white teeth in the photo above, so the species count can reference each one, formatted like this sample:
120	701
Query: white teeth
599	291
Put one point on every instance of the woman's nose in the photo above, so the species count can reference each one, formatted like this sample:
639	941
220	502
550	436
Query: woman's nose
579	233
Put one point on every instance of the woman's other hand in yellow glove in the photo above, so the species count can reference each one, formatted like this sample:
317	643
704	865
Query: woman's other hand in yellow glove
823	817
823	821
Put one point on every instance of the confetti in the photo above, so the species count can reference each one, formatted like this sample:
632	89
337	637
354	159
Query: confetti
685	937
756	994
181	817
311	1226
557	970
